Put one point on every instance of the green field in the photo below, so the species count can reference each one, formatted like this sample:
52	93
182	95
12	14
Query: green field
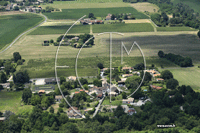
98	12
45	30
175	29
187	76
12	101
85	66
86	4
12	25
137	27
193	4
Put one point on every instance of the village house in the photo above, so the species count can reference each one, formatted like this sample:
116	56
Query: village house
108	17
129	111
89	21
155	87
156	75
112	93
72	78
58	98
128	101
159	79
126	75
51	81
127	68
41	92
74	113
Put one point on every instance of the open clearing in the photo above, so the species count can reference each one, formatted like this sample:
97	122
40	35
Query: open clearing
82	4
145	6
98	12
11	13
12	25
187	76
7	103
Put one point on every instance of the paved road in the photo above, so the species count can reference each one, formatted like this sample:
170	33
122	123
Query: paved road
97	108
25	33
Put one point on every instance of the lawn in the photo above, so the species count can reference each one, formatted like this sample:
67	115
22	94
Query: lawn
136	27
115	102
187	76
46	30
12	101
98	12
12	25
175	29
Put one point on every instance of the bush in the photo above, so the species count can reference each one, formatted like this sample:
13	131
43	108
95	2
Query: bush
46	44
61	105
19	62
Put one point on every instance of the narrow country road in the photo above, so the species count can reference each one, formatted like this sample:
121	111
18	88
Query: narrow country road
25	33
99	105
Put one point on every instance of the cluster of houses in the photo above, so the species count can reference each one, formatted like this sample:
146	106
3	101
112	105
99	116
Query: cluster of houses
89	21
12	6
126	108
155	74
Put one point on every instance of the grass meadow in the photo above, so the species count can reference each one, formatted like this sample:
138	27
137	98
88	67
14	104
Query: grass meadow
98	12
175	29
136	27
12	101
12	25
187	76
46	30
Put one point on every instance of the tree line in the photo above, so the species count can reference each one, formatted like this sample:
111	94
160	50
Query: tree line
177	59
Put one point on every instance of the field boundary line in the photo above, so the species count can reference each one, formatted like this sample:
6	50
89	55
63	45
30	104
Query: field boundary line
153	23
15	40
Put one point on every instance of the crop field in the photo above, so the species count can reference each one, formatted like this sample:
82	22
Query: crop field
145	6
30	46
11	12
84	4
193	4
98	12
136	27
12	25
7	103
85	67
46	30
175	29
187	76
